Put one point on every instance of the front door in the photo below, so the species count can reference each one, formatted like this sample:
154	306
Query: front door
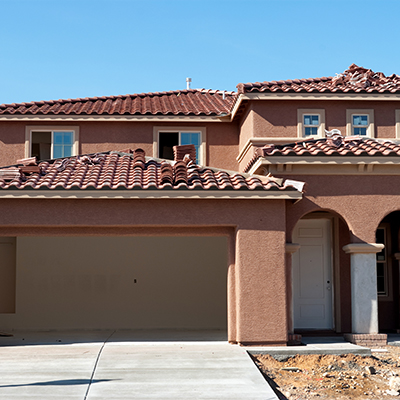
312	275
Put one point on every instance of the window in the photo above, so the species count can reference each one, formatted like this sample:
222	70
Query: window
311	123
166	139
46	143
360	123
383	270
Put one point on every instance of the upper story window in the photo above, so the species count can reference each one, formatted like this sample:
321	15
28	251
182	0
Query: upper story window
166	138
46	143
310	123
360	122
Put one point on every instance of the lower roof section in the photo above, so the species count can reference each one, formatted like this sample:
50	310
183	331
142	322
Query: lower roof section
130	174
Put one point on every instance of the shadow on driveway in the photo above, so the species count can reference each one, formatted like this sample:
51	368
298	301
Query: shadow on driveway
63	382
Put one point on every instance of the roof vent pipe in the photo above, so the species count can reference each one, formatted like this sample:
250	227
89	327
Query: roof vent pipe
188	80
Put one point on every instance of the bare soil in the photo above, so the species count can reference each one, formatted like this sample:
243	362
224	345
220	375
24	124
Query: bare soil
308	377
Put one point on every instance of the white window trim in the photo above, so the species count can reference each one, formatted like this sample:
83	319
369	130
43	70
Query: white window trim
202	131
310	111
349	121
397	124
48	128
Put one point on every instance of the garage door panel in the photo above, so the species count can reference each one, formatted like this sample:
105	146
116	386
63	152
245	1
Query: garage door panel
121	282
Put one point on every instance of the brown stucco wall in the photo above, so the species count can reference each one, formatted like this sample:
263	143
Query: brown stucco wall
278	118
362	201
222	138
12	142
256	306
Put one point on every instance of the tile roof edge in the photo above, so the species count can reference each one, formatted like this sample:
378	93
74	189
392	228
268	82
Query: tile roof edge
242	87
115	97
285	193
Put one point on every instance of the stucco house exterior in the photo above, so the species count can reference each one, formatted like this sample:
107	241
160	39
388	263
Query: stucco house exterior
266	212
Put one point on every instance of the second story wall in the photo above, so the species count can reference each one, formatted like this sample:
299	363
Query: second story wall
284	121
219	145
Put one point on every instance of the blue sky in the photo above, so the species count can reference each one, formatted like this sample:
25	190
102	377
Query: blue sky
51	49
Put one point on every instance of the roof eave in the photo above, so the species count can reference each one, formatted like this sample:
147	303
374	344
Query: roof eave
314	95
325	160
287	194
115	117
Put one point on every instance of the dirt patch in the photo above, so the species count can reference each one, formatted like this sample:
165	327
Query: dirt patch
307	377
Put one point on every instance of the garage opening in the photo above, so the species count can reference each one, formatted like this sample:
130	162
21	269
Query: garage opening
120	283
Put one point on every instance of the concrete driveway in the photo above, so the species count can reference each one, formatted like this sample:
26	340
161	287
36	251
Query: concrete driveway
127	365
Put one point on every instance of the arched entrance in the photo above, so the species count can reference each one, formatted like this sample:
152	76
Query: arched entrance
321	288
387	273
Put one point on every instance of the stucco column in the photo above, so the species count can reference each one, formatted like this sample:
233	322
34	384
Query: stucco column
290	249
261	287
364	296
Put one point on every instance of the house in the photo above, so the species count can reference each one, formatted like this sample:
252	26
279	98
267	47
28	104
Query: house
266	212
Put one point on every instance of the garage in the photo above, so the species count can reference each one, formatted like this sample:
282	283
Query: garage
119	282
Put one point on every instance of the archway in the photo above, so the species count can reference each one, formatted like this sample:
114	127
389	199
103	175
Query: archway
387	273
321	283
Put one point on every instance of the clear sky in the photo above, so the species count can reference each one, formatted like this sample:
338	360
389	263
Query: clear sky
51	49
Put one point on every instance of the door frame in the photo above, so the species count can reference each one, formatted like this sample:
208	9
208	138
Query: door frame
335	267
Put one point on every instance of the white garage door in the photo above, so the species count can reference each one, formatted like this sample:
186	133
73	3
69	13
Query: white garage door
120	283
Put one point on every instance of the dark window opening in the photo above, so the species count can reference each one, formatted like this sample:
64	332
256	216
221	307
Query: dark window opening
41	145
167	141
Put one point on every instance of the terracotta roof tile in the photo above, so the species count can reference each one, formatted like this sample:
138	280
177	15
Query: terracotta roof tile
183	102
129	171
347	146
354	80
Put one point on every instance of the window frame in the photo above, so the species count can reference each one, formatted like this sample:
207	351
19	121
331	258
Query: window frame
388	294
181	129
355	112
51	128
301	112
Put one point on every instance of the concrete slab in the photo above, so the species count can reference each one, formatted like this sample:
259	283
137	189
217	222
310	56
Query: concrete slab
134	365
313	345
393	339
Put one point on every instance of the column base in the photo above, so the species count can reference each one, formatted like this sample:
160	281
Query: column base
367	339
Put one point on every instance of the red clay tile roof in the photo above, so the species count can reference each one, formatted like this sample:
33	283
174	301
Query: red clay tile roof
131	171
347	146
354	80
179	102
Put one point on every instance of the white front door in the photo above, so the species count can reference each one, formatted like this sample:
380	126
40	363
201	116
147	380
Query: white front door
312	275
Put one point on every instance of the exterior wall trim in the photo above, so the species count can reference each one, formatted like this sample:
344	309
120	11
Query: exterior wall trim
292	247
149	194
363	248
323	165
76	118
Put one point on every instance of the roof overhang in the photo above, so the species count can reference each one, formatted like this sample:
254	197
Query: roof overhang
151	194
312	96
330	165
113	118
